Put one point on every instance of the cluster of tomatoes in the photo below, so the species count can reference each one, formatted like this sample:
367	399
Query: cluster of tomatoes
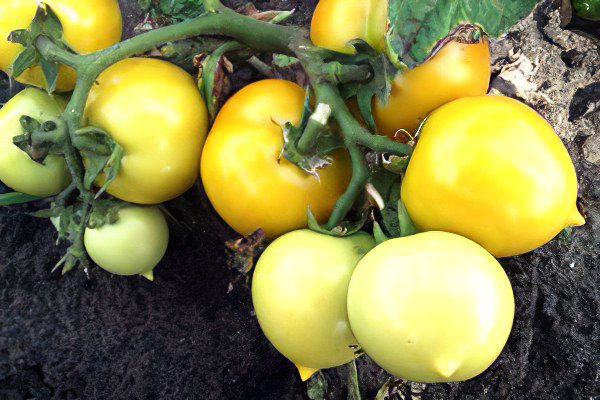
488	177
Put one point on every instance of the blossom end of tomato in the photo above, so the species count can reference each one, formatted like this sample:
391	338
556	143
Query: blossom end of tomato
306	373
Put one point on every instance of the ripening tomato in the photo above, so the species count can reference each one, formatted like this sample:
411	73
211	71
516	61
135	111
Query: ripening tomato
134	245
17	169
491	169
461	68
299	293
337	22
456	70
247	181
433	307
88	26
154	110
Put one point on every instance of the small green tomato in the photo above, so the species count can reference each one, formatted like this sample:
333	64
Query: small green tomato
134	245
299	293
17	169
433	307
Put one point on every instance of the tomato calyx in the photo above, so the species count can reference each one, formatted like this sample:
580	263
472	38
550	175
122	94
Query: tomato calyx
41	138
464	33
45	26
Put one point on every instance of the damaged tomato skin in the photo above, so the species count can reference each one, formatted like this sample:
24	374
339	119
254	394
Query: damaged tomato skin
493	170
456	70
432	307
248	182
17	169
134	245
88	26
154	110
337	22
299	292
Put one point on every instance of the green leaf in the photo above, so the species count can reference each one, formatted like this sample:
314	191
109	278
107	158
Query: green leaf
589	9
8	199
392	389
352	381
178	10
417	25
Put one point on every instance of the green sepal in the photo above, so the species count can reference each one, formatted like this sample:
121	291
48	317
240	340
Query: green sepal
214	80
346	228
379	85
327	142
9	199
407	227
45	23
378	233
103	155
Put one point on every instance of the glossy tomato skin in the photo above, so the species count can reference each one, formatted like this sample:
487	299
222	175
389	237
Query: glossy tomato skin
456	70
493	170
337	22
299	292
134	245
154	110
245	179
17	169
88	26
433	307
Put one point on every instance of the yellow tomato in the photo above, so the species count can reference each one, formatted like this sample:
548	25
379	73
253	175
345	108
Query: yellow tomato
456	70
17	169
154	110
245	178
299	291
433	307
493	170
88	26
337	22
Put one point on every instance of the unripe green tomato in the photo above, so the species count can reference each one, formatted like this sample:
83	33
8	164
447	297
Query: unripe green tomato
17	169
134	245
433	307
299	293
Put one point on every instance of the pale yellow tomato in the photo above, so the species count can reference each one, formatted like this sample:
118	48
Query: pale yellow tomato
134	245
299	292
154	110
17	169
88	26
433	307
493	170
248	182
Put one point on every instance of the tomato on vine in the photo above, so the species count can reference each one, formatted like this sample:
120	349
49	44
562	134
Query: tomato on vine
154	110
134	245
17	169
299	290
88	26
432	307
492	169
248	182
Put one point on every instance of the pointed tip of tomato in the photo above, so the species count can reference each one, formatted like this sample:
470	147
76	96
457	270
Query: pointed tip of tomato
576	218
306	373
148	275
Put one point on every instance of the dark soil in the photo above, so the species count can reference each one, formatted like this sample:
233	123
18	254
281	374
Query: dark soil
188	336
